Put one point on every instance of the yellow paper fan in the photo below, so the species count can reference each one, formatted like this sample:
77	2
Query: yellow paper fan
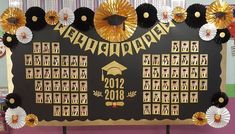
12	19
31	120
52	17
115	20
220	14
199	119
179	14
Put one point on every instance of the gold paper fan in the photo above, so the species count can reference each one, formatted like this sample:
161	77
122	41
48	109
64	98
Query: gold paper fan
179	14
12	19
115	20
52	17
220	14
199	119
31	120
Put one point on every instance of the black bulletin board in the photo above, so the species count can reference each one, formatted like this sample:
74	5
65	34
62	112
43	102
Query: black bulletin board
122	104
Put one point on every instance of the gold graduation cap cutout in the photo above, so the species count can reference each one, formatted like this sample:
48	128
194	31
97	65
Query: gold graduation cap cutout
114	68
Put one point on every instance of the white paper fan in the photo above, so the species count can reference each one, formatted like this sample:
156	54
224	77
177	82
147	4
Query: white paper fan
66	16
217	117
165	14
24	34
207	32
15	118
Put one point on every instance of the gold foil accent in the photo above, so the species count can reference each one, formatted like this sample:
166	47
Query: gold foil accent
9	39
12	19
179	14
115	33
12	101
220	14
146	15
222	34
84	18
221	100
34	18
197	14
217	118
199	119
52	17
31	120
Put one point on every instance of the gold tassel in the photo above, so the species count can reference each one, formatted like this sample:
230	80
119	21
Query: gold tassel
102	78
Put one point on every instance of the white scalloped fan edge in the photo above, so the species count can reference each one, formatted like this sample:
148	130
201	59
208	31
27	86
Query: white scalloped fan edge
21	117
225	117
71	16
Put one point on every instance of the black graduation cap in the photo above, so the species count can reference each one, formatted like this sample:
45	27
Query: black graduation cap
115	19
219	99
13	20
220	15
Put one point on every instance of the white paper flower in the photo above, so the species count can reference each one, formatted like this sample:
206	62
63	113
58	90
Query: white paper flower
24	35
15	118
66	16
217	117
165	14
207	32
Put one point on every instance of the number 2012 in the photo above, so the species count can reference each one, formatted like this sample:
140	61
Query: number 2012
111	83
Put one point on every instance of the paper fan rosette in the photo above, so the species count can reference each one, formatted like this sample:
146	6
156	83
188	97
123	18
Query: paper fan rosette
165	14
10	40
31	120
199	119
13	100
52	17
220	14
179	14
24	35
15	118
147	15
217	117
222	36
83	18
207	32
115	20
12	19
66	16
35	17
196	16
219	99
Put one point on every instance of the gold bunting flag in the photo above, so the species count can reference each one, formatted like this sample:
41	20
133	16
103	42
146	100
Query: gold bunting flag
114	49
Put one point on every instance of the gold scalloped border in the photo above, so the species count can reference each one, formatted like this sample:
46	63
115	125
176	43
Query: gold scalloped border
223	66
111	122
9	69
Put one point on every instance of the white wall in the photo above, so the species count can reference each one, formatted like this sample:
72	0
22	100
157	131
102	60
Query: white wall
206	2
230	63
3	72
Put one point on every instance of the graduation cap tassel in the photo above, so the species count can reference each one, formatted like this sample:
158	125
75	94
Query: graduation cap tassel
124	26
102	77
